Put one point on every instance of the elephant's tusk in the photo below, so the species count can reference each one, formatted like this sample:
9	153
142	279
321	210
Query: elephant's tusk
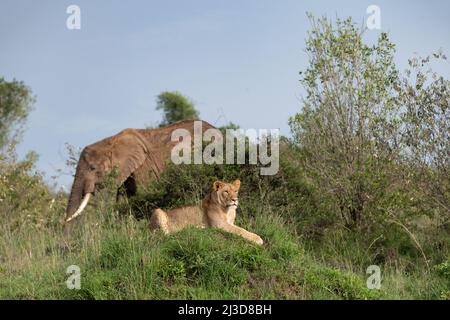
81	208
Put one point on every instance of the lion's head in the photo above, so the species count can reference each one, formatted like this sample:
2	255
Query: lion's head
226	194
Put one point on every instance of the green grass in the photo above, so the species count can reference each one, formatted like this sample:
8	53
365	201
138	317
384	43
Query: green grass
123	260
120	258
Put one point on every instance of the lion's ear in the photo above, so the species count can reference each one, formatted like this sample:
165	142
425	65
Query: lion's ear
217	185
237	183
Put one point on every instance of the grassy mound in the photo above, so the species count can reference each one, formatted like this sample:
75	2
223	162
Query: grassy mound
122	260
305	255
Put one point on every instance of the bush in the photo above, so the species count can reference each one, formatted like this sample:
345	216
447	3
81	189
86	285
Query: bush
25	198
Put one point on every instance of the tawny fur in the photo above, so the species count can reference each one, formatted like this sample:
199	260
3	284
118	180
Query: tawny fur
217	210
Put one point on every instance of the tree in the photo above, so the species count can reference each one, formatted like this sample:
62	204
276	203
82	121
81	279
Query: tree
348	125
175	107
16	102
425	96
375	142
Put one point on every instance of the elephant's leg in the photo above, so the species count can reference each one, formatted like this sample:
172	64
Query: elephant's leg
127	189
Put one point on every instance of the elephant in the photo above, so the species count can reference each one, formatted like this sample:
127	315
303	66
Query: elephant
140	155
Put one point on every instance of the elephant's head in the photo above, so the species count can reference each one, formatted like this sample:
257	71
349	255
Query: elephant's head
126	151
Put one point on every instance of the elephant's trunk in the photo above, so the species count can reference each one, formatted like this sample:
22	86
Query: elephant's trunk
78	197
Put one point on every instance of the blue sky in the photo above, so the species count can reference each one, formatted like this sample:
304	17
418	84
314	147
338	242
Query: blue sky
237	60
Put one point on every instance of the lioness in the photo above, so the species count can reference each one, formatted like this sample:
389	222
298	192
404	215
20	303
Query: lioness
217	210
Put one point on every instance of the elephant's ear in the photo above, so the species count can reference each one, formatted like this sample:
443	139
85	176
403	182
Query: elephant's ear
129	152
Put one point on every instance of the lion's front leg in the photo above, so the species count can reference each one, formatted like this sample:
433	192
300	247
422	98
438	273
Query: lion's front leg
241	231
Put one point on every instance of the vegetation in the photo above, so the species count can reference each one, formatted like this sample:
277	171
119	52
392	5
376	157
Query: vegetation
16	101
175	107
363	181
